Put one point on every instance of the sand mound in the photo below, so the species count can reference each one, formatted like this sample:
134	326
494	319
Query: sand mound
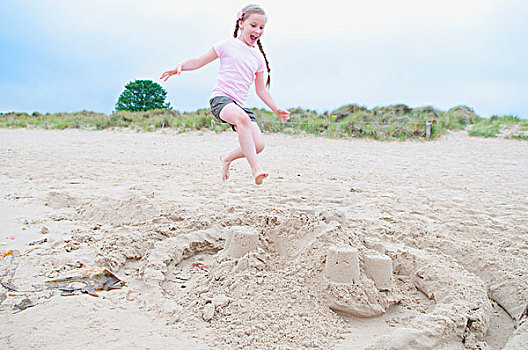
279	289
109	211
461	309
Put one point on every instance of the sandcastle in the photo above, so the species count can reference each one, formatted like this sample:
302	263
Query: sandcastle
342	265
379	269
350	290
240	241
357	282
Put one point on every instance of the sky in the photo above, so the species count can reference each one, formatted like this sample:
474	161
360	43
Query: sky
68	56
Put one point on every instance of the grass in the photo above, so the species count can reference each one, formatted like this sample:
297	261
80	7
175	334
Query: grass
394	122
145	121
398	122
501	126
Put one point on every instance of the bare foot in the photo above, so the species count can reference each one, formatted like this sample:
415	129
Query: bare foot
260	177
225	166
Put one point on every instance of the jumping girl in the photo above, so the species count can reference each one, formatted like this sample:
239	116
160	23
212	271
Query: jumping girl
241	64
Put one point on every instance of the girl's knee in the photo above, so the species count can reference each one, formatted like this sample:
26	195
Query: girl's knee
259	145
243	119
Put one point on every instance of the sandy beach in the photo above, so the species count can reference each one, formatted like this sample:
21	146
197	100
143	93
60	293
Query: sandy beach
449	216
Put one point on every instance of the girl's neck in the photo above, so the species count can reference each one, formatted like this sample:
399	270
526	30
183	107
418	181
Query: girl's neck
243	41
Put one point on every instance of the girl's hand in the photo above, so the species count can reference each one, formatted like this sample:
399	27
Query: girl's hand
283	114
170	73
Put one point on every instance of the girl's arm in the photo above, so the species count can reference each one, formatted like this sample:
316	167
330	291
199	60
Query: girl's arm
191	64
265	96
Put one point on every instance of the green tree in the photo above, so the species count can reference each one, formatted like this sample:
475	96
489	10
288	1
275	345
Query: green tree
142	95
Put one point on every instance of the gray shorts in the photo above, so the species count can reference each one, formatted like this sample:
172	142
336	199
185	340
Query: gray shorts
219	102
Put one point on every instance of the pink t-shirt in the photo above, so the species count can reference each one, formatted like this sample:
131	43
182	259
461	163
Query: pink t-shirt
238	65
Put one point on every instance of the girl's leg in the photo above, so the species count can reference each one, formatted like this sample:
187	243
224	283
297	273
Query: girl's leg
237	153
250	139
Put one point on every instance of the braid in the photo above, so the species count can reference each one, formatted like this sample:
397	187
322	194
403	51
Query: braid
267	63
236	29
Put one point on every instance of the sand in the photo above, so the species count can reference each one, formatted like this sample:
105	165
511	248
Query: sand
212	264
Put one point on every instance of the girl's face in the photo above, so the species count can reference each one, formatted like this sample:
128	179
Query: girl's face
252	28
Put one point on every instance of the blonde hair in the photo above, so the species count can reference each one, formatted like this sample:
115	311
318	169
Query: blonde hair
246	12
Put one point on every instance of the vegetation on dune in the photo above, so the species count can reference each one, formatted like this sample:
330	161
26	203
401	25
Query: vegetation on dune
506	126
145	121
380	123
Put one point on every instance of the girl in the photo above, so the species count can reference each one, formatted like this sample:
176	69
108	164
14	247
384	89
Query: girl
241	64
